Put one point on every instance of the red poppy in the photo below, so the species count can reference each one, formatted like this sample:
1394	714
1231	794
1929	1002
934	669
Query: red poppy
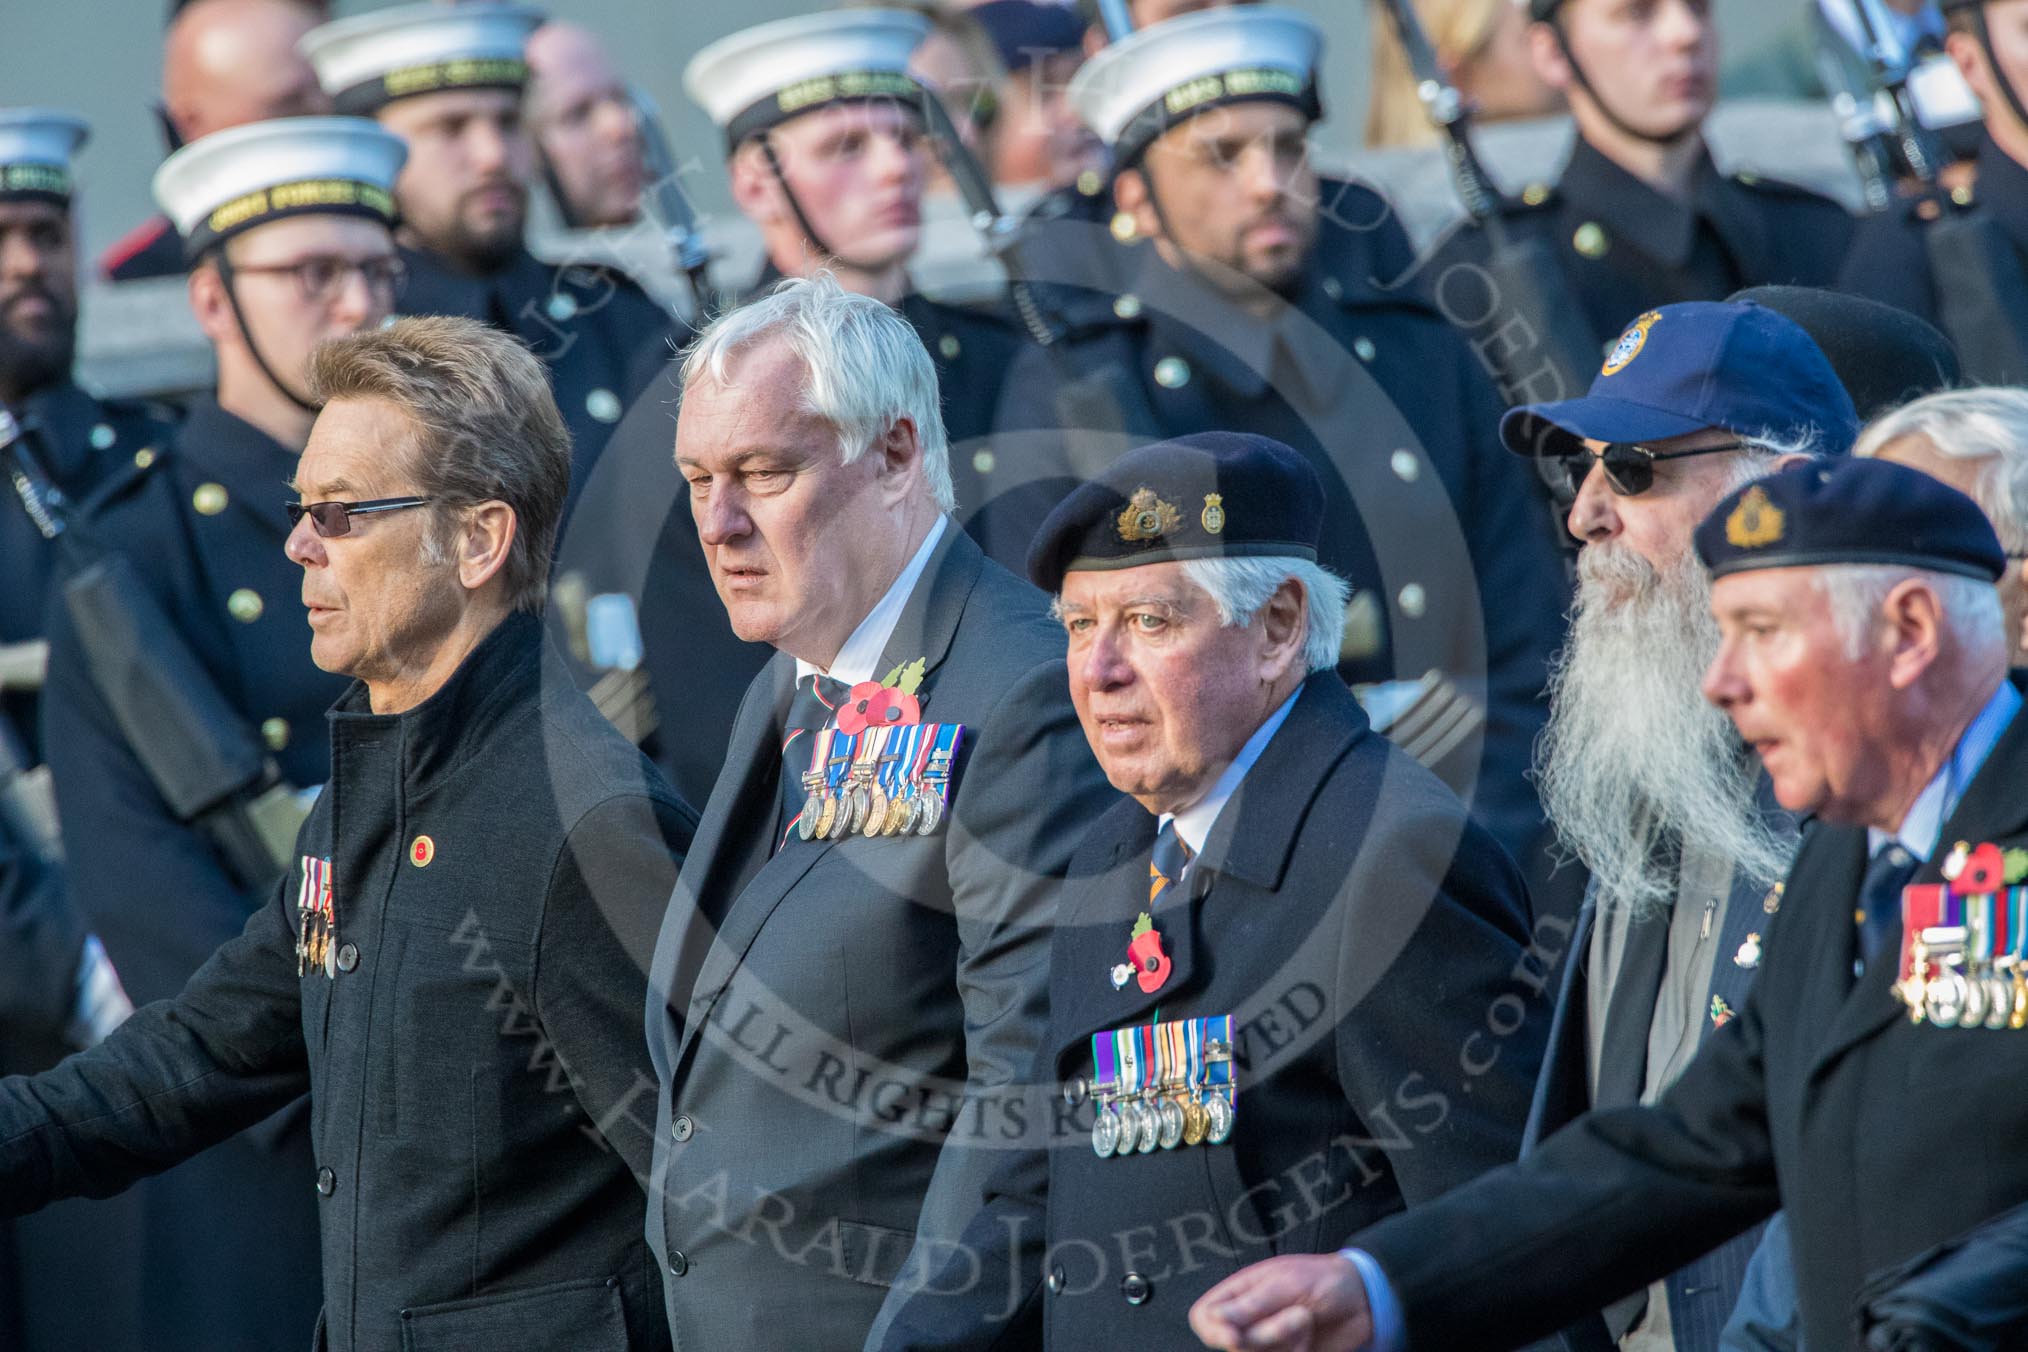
1151	964
871	704
1981	872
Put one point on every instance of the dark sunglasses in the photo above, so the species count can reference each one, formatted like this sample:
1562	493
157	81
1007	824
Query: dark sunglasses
335	518
1629	468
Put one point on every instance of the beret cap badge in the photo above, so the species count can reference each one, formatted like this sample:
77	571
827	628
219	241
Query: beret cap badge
1754	522
1213	518
1147	517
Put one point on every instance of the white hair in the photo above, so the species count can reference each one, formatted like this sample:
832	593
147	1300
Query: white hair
1855	593
867	368
1986	426
1635	767
1239	587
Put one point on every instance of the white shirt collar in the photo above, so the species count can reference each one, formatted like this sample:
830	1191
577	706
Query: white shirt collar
1924	822
861	654
1194	823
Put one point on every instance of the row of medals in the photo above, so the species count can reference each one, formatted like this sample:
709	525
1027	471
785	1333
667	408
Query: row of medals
1954	999
863	808
1172	1119
1166	1115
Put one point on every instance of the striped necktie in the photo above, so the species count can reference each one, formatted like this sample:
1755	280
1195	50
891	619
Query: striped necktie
1166	864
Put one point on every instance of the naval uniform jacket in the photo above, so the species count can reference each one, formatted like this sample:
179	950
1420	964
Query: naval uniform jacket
231	1236
604	340
76	441
839	1028
1877	1136
1367	939
1444	536
499	857
1626	248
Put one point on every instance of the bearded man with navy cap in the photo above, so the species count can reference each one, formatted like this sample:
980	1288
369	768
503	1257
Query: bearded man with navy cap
1272	974
1864	659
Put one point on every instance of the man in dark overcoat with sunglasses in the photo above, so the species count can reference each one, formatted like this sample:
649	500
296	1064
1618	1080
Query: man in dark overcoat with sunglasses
453	963
198	530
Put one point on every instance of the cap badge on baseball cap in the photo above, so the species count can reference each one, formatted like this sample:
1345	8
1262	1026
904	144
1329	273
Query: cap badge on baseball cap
1755	522
1630	344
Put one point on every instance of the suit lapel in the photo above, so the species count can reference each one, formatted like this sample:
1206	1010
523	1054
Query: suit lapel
1250	844
925	629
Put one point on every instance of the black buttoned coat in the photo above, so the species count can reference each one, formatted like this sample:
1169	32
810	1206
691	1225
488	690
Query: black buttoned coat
500	857
1879	1137
1369	942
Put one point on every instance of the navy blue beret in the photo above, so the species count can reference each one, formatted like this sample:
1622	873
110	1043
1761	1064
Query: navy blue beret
1884	356
1850	511
1207	495
1025	31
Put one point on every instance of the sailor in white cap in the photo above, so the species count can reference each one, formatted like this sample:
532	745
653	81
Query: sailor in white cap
70	440
449	79
826	147
288	229
1241	312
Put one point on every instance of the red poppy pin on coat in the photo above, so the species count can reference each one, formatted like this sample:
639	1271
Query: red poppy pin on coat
1144	950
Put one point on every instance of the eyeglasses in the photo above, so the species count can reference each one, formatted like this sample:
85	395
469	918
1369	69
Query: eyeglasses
322	277
1629	468
335	518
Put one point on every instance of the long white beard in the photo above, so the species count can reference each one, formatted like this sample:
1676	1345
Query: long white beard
1634	760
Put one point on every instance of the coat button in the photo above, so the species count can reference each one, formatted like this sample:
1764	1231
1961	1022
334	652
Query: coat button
1055	1280
984	461
348	957
1136	1288
144	457
1406	467
1172	373
1073	1092
1362	348
1590	240
682	1129
1414	601
210	499
327	1182
562	305
245	605
604	405
103	437
949	347
1128	306
275	732
678	1264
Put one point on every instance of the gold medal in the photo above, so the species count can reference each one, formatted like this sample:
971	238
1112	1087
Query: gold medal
827	819
876	813
1196	1122
898	810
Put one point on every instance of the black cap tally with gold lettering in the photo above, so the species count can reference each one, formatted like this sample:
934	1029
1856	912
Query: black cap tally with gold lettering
761	77
1850	511
36	146
1208	495
367	62
233	180
1170	72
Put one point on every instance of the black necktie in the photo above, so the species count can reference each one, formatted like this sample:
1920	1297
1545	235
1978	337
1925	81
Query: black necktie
1880	901
816	699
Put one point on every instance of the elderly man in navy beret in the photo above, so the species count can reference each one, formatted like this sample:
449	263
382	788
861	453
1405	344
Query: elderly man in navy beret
1865	660
1283	991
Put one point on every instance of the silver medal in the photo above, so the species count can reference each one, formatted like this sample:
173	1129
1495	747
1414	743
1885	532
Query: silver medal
1220	1108
1105	1132
1169	1123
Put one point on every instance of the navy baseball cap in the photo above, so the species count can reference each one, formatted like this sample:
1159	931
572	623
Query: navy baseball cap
1701	364
1203	496
1850	511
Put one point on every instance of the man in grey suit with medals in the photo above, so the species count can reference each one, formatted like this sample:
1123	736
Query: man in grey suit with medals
850	982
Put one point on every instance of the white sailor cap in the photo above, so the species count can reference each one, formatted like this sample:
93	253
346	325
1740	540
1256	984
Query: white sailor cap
35	149
1167	73
760	77
368	62
236	179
